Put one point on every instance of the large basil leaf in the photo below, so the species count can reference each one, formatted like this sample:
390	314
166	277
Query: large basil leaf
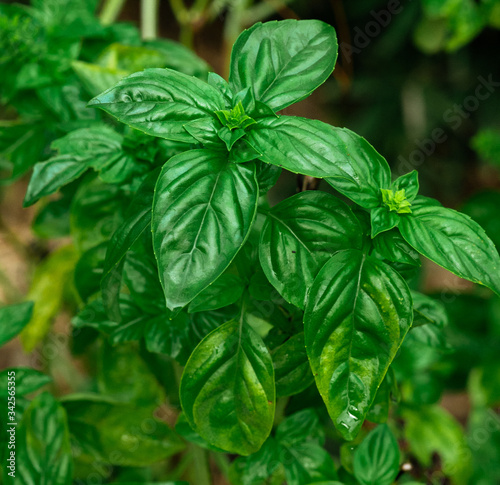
376	460
300	235
310	147
452	240
43	453
160	101
13	318
203	210
283	62
224	291
227	389
357	314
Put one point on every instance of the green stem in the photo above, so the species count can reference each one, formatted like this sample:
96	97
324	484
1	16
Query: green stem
279	414
149	19
110	11
222	463
201	471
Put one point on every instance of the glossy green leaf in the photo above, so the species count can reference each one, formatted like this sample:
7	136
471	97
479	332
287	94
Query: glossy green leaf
310	147
159	102
183	429
283	62
357	314
291	367
452	240
300	235
51	175
43	453
13	318
376	460
203	210
224	291
88	271
227	389
382	220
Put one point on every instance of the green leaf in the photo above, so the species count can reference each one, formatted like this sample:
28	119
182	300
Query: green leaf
408	183
291	367
453	241
357	314
203	210
382	220
376	460
347	161
283	62
300	235
43	453
224	291
13	318
431	429
51	175
227	389
301	439
159	102
88	271
183	429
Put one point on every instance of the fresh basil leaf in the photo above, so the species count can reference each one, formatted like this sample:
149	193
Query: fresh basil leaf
159	102
224	291
453	241
227	389
300	235
43	452
267	176
291	367
408	183
357	314
222	86
203	210
51	175
310	147
376	460
283	62
382	220
13	318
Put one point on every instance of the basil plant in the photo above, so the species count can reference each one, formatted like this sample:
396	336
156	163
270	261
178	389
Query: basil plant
259	302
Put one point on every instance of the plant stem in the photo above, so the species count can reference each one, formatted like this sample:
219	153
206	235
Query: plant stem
110	11
149	19
201	471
